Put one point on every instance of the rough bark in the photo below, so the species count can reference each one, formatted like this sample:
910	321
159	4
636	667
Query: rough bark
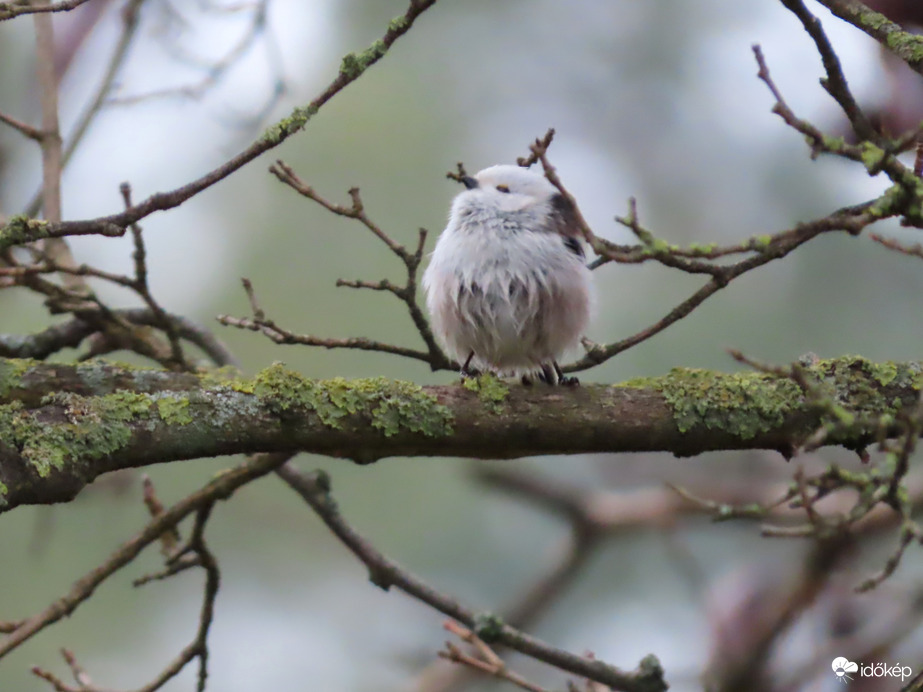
63	425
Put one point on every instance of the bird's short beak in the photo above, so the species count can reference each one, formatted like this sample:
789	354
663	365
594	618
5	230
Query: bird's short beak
469	182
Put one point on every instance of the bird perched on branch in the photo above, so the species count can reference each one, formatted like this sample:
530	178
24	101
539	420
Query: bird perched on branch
507	286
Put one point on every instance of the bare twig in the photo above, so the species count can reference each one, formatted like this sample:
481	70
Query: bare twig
141	287
915	250
407	293
220	488
835	82
352	68
8	10
72	333
23	128
129	13
260	323
52	165
486	661
411	260
216	70
198	648
384	573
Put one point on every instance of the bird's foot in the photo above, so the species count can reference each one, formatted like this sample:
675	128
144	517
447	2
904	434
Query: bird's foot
553	375
469	373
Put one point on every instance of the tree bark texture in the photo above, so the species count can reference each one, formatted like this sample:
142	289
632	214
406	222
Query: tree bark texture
63	425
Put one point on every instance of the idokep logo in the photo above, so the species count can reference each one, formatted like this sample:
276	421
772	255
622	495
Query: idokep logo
842	667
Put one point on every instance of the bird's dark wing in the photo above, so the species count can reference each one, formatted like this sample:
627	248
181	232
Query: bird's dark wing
563	221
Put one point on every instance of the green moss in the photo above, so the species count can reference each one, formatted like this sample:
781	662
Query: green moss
883	373
700	249
659	246
888	203
354	64
286	127
650	667
762	242
746	404
834	144
488	627
398	24
390	405
743	404
854	384
93	427
122	406
874	20
350	66
491	390
872	156
174	410
11	372
907	45
21	229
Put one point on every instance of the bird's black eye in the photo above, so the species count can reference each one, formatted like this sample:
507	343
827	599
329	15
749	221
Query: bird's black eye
503	188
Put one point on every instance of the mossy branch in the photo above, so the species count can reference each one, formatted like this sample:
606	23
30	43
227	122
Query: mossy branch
63	425
905	45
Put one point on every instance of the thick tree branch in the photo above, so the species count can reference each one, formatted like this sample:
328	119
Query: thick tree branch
62	425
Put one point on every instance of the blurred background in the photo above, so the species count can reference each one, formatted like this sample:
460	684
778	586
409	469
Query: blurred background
658	100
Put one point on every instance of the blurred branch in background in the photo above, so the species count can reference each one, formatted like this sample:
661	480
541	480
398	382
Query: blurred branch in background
384	573
9	10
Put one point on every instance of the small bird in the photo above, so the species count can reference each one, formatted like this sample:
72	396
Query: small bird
507	286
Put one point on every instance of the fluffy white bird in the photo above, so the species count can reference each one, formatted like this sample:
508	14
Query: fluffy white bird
507	286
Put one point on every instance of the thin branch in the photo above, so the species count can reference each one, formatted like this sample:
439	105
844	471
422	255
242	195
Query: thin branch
141	287
282	336
314	489
411	260
129	14
8	10
215	70
486	662
903	44
352	67
72	333
835	83
25	129
52	166
220	488
915	250
267	327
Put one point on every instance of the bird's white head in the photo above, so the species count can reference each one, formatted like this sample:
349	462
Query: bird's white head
508	188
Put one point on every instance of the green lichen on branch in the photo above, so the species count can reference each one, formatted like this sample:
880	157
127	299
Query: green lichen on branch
389	405
746	404
398	24
491	391
174	410
908	46
741	404
11	372
20	229
288	126
354	64
872	156
92	427
488	627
